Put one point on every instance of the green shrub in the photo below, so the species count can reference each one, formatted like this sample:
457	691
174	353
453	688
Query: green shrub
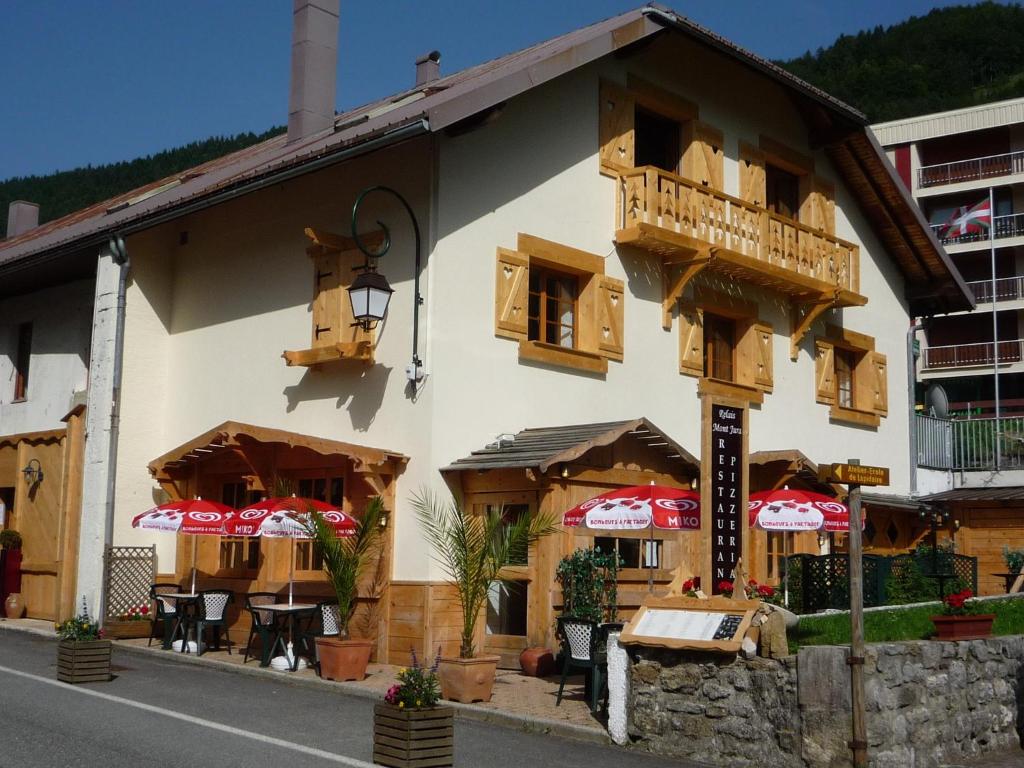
10	539
588	578
1014	559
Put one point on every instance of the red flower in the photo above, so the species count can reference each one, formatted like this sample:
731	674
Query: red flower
688	585
145	610
765	590
725	586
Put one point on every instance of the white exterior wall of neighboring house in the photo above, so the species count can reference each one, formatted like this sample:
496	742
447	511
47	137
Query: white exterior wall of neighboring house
535	170
207	321
61	319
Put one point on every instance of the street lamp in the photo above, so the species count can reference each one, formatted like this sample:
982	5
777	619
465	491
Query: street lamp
370	292
33	472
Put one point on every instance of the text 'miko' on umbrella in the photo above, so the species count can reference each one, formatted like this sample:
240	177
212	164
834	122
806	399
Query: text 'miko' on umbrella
195	517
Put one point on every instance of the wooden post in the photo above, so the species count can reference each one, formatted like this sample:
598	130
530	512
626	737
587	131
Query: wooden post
859	743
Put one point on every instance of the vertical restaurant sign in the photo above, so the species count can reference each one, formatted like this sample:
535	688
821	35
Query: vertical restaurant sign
726	492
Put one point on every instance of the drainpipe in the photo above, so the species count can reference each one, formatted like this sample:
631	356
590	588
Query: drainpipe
911	386
119	255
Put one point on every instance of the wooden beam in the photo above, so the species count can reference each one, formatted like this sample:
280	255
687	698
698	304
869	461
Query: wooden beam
334	242
355	350
801	325
560	256
673	288
552	354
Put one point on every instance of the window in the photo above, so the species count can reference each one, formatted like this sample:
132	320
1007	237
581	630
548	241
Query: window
720	343
506	608
327	489
552	317
513	513
782	192
633	553
775	555
21	361
851	376
656	140
239	553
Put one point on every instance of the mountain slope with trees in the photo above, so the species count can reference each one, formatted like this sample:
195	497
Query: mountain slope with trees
952	57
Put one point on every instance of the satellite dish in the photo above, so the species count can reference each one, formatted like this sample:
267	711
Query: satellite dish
938	402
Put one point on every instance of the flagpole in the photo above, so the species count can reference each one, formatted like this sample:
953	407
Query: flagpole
995	323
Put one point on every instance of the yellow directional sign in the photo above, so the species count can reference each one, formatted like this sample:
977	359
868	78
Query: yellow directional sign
854	474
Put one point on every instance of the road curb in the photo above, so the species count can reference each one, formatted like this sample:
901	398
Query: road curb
468	712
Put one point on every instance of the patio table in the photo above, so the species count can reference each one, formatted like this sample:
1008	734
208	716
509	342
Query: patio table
184	601
288	613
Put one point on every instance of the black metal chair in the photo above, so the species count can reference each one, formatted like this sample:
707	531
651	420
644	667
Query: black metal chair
167	613
327	619
211	612
264	624
581	649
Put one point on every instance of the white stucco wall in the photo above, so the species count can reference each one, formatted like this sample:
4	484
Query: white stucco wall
207	320
61	319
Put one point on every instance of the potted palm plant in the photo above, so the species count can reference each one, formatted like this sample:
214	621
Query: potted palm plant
473	549
344	558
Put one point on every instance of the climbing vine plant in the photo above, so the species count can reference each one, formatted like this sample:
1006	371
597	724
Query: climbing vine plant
589	580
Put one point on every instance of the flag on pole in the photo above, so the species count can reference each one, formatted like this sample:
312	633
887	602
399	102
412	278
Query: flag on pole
973	220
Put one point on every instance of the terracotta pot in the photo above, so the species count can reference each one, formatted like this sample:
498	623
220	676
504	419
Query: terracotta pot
343	659
974	627
468	680
537	662
14	606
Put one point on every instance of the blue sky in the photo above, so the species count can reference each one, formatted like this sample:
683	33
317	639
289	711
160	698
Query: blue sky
104	80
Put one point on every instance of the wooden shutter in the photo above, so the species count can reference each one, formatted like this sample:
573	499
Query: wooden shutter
752	175
511	294
762	340
615	127
609	317
691	340
818	203
703	159
879	383
824	372
327	296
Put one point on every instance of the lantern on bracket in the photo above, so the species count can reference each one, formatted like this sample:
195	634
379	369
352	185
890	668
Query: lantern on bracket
370	295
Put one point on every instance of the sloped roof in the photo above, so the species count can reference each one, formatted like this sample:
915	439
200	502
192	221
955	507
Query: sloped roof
545	447
448	100
1011	493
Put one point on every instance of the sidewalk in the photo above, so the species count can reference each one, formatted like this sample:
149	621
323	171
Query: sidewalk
518	701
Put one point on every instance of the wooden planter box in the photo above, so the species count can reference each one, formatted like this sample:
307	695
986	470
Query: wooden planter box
413	737
976	627
124	630
85	661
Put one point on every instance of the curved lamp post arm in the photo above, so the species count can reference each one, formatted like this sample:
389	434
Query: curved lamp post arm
383	249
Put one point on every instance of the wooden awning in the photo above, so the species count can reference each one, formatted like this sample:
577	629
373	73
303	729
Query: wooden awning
34	438
797	464
234	435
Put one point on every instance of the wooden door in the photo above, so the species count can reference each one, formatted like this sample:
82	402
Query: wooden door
37	516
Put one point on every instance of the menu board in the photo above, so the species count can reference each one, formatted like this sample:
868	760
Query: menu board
716	624
726	492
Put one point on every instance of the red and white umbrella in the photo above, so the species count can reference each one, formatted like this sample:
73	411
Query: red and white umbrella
195	517
788	510
637	508
286	517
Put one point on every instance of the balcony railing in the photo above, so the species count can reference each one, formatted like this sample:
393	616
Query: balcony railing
1011	225
934	442
971	170
969	355
979	443
652	196
1007	289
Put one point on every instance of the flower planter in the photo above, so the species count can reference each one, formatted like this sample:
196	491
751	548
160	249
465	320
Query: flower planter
468	680
124	630
14	606
343	659
969	627
413	737
83	661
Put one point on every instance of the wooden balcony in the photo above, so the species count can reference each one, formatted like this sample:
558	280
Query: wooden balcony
692	227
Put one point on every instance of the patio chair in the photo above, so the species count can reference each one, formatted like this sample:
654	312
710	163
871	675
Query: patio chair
581	650
264	624
167	613
211	612
329	620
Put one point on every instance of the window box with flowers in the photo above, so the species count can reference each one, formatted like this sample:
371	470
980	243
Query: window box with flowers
83	653
962	618
409	728
136	622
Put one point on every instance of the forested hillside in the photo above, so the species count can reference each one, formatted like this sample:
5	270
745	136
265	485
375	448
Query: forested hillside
67	191
953	57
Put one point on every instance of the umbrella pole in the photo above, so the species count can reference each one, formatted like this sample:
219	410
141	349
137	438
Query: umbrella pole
193	590
785	570
650	568
291	575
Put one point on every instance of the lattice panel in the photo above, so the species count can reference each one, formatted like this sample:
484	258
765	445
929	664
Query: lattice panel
128	573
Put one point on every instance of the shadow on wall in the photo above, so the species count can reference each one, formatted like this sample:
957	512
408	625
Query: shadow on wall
358	390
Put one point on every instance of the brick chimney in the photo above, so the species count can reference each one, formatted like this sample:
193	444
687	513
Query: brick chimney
314	67
428	68
21	217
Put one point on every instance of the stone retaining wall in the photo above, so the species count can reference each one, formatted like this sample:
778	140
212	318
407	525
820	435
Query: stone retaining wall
928	704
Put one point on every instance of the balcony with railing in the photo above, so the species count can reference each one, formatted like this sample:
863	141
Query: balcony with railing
970	445
1006	289
685	222
1011	225
973	355
974	169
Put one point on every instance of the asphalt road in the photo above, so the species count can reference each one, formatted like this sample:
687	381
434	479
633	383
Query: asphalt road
160	713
